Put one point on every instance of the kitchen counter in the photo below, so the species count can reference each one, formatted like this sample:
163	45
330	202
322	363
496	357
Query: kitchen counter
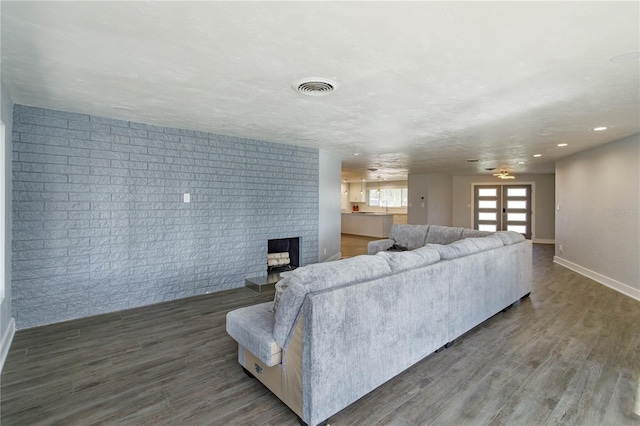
369	224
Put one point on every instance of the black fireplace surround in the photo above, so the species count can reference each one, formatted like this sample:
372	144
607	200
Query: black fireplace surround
290	245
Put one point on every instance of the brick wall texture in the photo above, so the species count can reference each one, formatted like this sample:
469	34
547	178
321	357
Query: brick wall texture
99	222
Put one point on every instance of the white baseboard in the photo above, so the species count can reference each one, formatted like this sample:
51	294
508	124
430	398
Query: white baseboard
336	256
602	279
5	344
543	241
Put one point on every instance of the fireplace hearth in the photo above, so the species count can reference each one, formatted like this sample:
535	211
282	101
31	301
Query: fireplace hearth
283	255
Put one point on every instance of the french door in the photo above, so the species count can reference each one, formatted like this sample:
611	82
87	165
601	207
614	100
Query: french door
503	208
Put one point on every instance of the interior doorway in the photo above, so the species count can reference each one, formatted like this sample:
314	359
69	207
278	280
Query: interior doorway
503	208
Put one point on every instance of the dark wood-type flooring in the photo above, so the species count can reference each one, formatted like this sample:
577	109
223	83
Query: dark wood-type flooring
569	354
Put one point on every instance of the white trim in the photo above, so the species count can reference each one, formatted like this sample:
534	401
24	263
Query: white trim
543	241
602	279
5	344
337	256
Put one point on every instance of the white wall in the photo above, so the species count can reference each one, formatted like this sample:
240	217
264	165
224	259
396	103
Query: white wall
440	203
417	213
329	216
598	224
430	199
7	324
544	198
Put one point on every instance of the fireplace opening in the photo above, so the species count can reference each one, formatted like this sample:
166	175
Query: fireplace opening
283	255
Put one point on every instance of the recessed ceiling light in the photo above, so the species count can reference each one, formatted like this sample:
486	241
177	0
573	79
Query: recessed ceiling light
537	155
625	57
356	154
521	162
490	168
472	160
599	129
562	144
124	107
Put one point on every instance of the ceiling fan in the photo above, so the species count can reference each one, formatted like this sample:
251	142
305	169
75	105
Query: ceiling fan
504	175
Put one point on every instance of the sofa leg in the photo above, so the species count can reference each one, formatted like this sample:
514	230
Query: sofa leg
248	373
525	296
302	423
448	345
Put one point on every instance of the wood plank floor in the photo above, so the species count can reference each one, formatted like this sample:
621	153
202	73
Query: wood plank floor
570	354
353	245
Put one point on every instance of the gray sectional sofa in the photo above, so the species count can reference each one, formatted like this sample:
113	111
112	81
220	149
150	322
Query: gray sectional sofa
343	328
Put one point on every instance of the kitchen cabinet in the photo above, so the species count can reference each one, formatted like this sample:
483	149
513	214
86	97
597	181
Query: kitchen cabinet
354	193
367	224
400	219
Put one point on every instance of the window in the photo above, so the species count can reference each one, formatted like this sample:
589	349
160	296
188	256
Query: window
388	197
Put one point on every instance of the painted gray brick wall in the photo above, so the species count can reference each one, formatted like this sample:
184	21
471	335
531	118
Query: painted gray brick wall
99	223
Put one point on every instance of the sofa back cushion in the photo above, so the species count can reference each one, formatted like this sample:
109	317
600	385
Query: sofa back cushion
487	243
443	234
429	255
509	237
409	236
318	277
474	233
456	249
401	261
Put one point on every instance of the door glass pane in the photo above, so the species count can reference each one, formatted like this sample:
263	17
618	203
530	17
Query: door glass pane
486	216
487	204
517	228
490	228
487	192
516	217
516	192
512	204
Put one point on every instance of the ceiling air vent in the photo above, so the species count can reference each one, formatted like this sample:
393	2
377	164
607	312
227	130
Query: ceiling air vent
315	86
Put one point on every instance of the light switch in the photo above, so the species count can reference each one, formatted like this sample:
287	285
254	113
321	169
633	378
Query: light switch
187	198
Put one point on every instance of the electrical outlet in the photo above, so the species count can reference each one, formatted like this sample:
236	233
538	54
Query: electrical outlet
325	251
187	198
561	248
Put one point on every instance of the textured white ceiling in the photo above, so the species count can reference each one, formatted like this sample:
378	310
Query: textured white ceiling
422	85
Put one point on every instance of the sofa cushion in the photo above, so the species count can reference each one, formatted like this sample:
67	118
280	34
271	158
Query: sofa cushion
474	233
443	234
486	243
429	255
376	246
456	249
317	277
509	237
409	236
280	287
252	327
401	261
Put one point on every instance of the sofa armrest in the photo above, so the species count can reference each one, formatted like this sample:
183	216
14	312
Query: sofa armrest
379	245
